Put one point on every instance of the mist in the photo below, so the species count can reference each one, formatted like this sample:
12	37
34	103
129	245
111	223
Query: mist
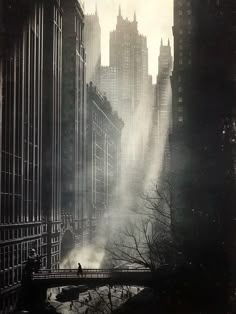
143	141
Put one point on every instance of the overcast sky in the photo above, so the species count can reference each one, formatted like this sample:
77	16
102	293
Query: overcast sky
155	20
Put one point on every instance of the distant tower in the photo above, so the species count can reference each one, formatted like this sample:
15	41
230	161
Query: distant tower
92	41
164	93
119	14
129	55
132	64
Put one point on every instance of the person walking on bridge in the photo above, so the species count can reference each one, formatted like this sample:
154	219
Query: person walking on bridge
79	271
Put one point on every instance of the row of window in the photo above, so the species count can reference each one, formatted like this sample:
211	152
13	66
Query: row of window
17	254
19	232
11	276
16	210
188	12
183	2
55	260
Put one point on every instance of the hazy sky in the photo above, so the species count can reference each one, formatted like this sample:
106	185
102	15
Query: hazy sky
155	20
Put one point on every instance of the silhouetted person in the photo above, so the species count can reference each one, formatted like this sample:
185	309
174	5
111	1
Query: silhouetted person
71	305
79	271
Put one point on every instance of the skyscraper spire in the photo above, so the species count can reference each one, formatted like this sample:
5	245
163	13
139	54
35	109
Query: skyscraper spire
161	42
96	10
119	10
135	18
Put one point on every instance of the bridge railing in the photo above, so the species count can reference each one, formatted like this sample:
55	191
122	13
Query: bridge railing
87	273
94	270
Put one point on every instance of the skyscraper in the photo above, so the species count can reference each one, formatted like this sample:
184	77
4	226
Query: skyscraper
202	107
164	89
163	114
129	54
92	41
51	130
73	126
30	139
109	85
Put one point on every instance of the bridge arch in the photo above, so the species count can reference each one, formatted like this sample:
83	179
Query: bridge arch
67	244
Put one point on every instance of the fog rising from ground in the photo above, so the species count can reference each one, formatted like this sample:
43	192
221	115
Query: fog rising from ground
155	20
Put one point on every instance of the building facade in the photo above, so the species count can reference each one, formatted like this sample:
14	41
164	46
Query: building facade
129	55
73	128
109	85
30	139
164	104
202	105
51	132
164	93
103	157
21	149
92	41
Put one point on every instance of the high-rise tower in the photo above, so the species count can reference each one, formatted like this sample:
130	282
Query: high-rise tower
74	213
202	116
164	93
30	212
129	54
92	41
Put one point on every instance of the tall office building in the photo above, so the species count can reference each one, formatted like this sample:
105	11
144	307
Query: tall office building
164	105
129	54
202	110
73	127
30	139
92	41
51	130
109	85
164	93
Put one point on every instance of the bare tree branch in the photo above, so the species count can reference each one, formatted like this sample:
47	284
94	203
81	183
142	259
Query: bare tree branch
146	241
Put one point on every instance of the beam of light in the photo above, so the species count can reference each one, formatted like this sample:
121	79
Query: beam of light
144	147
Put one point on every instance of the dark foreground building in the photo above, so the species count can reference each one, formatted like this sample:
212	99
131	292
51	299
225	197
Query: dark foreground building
30	99
202	141
103	157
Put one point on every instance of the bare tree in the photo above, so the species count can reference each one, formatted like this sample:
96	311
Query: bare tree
146	239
